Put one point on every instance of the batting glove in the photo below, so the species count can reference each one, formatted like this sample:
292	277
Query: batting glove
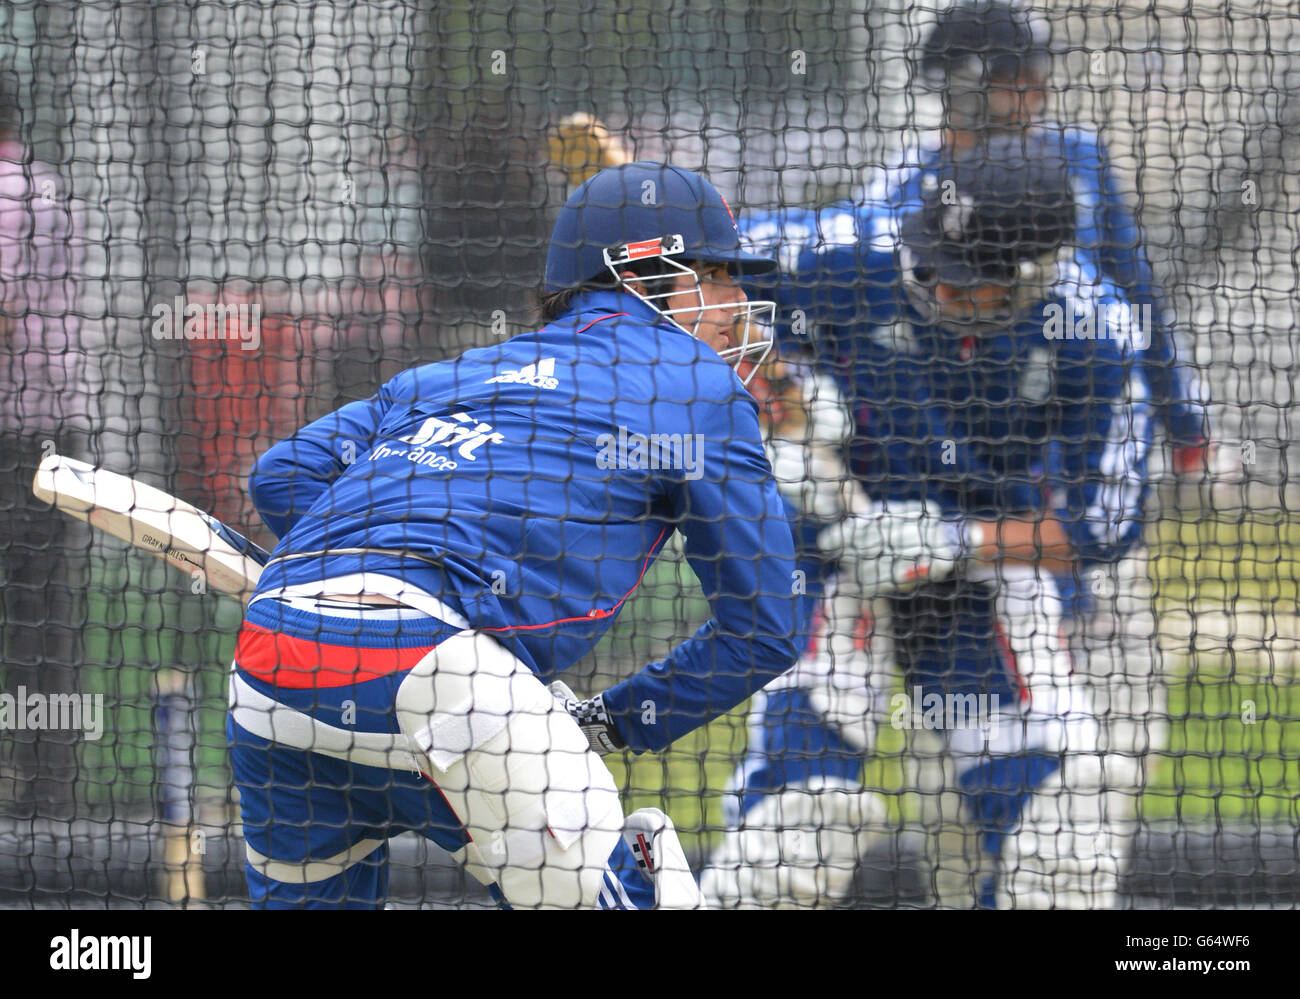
805	450
894	548
592	718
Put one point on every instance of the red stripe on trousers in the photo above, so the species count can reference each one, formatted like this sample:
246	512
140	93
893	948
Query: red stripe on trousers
301	664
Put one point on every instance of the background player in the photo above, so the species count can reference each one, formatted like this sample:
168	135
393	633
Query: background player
990	62
473	530
962	405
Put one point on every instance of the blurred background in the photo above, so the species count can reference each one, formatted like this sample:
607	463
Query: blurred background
374	177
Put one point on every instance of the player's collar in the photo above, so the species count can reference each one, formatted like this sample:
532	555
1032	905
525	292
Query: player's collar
587	303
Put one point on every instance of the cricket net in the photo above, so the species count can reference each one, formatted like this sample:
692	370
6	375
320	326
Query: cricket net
361	188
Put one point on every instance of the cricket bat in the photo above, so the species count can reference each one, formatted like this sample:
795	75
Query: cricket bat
148	518
192	541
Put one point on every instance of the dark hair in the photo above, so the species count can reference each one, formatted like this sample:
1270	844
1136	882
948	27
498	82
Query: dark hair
552	305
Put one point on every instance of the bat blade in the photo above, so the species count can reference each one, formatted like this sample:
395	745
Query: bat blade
150	519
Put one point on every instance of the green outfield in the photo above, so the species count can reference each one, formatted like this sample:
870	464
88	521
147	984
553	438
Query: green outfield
1233	752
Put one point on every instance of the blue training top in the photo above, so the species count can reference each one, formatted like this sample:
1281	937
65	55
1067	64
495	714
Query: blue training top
530	485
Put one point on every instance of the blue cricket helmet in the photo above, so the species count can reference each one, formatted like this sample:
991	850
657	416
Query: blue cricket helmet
987	210
636	203
998	214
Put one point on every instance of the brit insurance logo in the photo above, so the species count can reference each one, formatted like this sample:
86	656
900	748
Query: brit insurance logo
441	440
540	375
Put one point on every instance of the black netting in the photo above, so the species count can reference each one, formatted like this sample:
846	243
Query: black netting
220	222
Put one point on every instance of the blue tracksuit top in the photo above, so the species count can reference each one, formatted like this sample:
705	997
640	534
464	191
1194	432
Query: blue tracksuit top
529	485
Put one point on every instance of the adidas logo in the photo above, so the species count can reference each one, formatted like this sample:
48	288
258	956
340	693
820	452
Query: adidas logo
539	375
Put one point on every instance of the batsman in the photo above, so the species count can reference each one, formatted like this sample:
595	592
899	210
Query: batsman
449	546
